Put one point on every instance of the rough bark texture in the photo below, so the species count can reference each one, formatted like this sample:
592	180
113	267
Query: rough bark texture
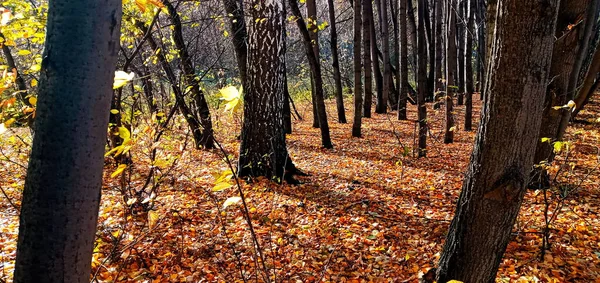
356	125
451	76
312	52
422	82
64	177
205	137
367	20
263	149
496	179
563	60
337	77
237	24
403	91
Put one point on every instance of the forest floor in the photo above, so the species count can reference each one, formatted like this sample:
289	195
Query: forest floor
369	211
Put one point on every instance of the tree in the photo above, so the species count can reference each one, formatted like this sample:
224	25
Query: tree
237	25
337	77
381	106
356	125
62	188
451	76
502	158
403	84
469	31
263	150
422	82
367	20
439	55
312	52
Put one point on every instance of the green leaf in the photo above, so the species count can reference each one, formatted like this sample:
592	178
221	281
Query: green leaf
230	201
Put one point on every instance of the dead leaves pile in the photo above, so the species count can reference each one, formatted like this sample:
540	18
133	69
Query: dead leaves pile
368	212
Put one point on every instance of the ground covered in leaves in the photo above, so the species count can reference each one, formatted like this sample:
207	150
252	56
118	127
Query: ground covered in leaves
369	211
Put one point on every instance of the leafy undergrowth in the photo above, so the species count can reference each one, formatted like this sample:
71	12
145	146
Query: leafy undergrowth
368	212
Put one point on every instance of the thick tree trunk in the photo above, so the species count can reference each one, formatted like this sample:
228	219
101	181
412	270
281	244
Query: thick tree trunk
496	179
263	149
422	82
563	61
189	75
367	21
451	76
403	84
356	125
312	52
469	31
237	24
63	184
337	77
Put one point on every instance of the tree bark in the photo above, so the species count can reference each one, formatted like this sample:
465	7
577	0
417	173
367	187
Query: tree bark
563	61
496	179
337	77
64	177
586	87
381	106
460	39
367	21
263	150
451	78
403	85
439	55
422	82
356	125
469	31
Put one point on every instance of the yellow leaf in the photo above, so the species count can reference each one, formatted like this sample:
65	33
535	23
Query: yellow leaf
545	139
452	129
221	186
152	218
141	5
34	82
2	128
558	146
124	133
122	78
229	93
119	170
9	122
230	201
114	111
454	281
32	100
24	52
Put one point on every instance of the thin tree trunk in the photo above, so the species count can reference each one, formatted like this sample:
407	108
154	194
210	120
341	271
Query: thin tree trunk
422	82
588	82
12	65
451	78
62	190
403	85
315	66
496	179
237	24
439	80
460	39
431	54
381	106
412	34
356	126
337	78
396	61
367	21
469	31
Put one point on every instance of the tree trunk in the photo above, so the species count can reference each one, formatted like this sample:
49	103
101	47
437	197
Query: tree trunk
396	55
312	51
382	107
439	82
586	87
64	177
374	57
496	179
481	63
191	81
422	82
403	85
451	78
367	21
237	24
429	30
469	31
412	34
356	126
460	39
263	149
563	60
337	78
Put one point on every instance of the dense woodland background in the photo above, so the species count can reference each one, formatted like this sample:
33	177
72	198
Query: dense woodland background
304	141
